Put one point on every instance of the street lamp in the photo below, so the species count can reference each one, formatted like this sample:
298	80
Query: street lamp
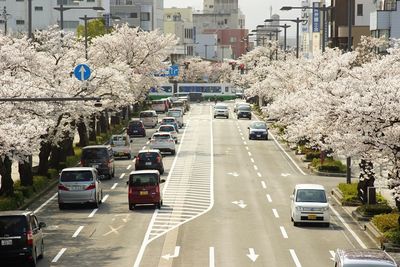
5	17
297	21
61	8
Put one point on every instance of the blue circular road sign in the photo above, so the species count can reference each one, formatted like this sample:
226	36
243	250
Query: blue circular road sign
82	72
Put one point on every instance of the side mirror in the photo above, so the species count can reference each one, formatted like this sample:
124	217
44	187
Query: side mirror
162	181
42	225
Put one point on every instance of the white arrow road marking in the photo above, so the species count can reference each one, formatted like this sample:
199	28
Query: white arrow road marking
283	231
263	185
58	256
114	186
285	174
295	259
252	255
240	203
269	198
259	174
82	71
176	254
122	176
212	257
129	166
77	231
234	174
332	255
275	213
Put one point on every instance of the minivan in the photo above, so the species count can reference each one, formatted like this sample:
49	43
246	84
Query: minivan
149	159
100	157
149	118
144	188
21	237
136	128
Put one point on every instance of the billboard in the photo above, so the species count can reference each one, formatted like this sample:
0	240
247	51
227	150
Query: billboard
316	24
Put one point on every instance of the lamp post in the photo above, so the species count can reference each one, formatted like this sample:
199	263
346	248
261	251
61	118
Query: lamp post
5	17
61	8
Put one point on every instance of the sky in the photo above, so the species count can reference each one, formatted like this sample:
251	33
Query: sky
256	11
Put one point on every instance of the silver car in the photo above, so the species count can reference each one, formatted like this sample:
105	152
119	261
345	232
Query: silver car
79	185
363	258
163	141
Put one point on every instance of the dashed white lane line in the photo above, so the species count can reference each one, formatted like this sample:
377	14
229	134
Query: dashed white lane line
294	257
122	176
241	133
259	174
247	148
269	198
212	257
45	203
283	231
93	213
249	154
245	143
263	185
143	147
129	166
255	167
58	256
275	213
105	198
252	160
114	186
77	231
242	138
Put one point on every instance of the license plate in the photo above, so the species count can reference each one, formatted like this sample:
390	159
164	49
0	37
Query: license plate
95	166
148	163
76	188
258	135
312	217
135	131
143	193
6	242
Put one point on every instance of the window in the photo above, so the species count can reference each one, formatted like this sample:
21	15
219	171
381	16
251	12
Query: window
360	10
20	22
90	1
145	16
38	8
226	21
233	39
133	15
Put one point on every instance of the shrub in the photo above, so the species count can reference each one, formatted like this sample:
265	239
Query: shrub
329	165
311	155
371	210
39	183
27	191
393	236
348	189
52	173
386	222
72	161
62	165
8	203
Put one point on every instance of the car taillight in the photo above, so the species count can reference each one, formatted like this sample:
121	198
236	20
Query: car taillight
158	159
91	186
171	141
62	187
29	238
109	163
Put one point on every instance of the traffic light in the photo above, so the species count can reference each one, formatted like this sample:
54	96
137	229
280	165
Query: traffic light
186	65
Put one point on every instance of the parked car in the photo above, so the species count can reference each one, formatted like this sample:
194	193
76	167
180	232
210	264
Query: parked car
121	145
258	130
169	128
363	258
221	110
79	185
21	238
309	203
238	104
170	121
243	112
177	113
149	118
163	142
136	128
149	159
144	188
100	157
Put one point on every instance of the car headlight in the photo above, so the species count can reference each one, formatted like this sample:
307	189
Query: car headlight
325	208
299	208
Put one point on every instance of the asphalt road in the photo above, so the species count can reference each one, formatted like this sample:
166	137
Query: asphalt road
226	203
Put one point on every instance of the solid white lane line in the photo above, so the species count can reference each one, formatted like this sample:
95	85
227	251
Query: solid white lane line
58	256
263	185
129	166
252	160
249	153
212	257
114	186
269	198
45	203
92	213
77	231
348	228
283	231
247	148
255	167
259	174
294	257
122	176
275	213
105	198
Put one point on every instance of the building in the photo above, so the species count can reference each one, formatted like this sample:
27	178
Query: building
385	20
232	40
146	14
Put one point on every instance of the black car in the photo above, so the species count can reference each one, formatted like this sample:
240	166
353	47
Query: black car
244	112
21	238
258	130
136	128
100	157
150	159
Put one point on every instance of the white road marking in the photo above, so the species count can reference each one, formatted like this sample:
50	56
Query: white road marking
247	148
332	255
255	167
77	231
241	133
143	147
45	203
122	176
285	174
295	259
263	185
242	138
105	198
212	257
275	213
252	255
114	186
348	228
252	160
129	166
269	198
283	231
175	255
249	153
240	203
259	174
113	230
58	256
234	174
245	143
93	213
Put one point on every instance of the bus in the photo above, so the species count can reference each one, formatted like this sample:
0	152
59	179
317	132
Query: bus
221	91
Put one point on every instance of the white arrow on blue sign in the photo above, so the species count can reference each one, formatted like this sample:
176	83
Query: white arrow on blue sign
173	70
82	72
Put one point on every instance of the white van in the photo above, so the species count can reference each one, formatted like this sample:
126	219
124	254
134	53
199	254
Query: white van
177	113
149	118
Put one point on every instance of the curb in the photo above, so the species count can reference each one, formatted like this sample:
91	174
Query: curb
40	194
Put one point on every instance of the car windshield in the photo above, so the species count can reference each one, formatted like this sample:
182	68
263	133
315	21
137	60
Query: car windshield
12	225
76	176
119	140
221	107
143	180
147	156
174	113
146	114
135	124
311	195
258	125
169	121
244	108
94	153
167	129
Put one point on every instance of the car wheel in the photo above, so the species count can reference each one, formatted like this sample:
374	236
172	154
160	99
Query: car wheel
96	204
266	138
129	156
162	171
250	118
327	224
61	206
173	152
215	117
41	251
295	223
238	117
131	206
249	137
101	197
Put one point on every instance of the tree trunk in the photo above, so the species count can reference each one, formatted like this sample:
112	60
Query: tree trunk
98	126
125	113
366	179
103	123
45	149
92	128
69	146
25	172
83	134
7	183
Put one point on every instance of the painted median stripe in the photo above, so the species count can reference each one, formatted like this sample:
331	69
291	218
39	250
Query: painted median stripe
77	231
294	257
283	231
255	167
129	166
275	213
259	174
252	160
249	153
114	186
58	256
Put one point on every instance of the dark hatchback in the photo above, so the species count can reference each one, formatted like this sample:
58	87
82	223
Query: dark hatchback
244	112
136	128
21	238
258	130
100	157
150	159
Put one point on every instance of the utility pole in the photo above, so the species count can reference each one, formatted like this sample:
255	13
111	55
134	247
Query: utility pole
30	19
5	17
350	24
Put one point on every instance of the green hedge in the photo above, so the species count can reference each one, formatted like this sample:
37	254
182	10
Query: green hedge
371	210
310	155
329	165
386	222
350	196
393	236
